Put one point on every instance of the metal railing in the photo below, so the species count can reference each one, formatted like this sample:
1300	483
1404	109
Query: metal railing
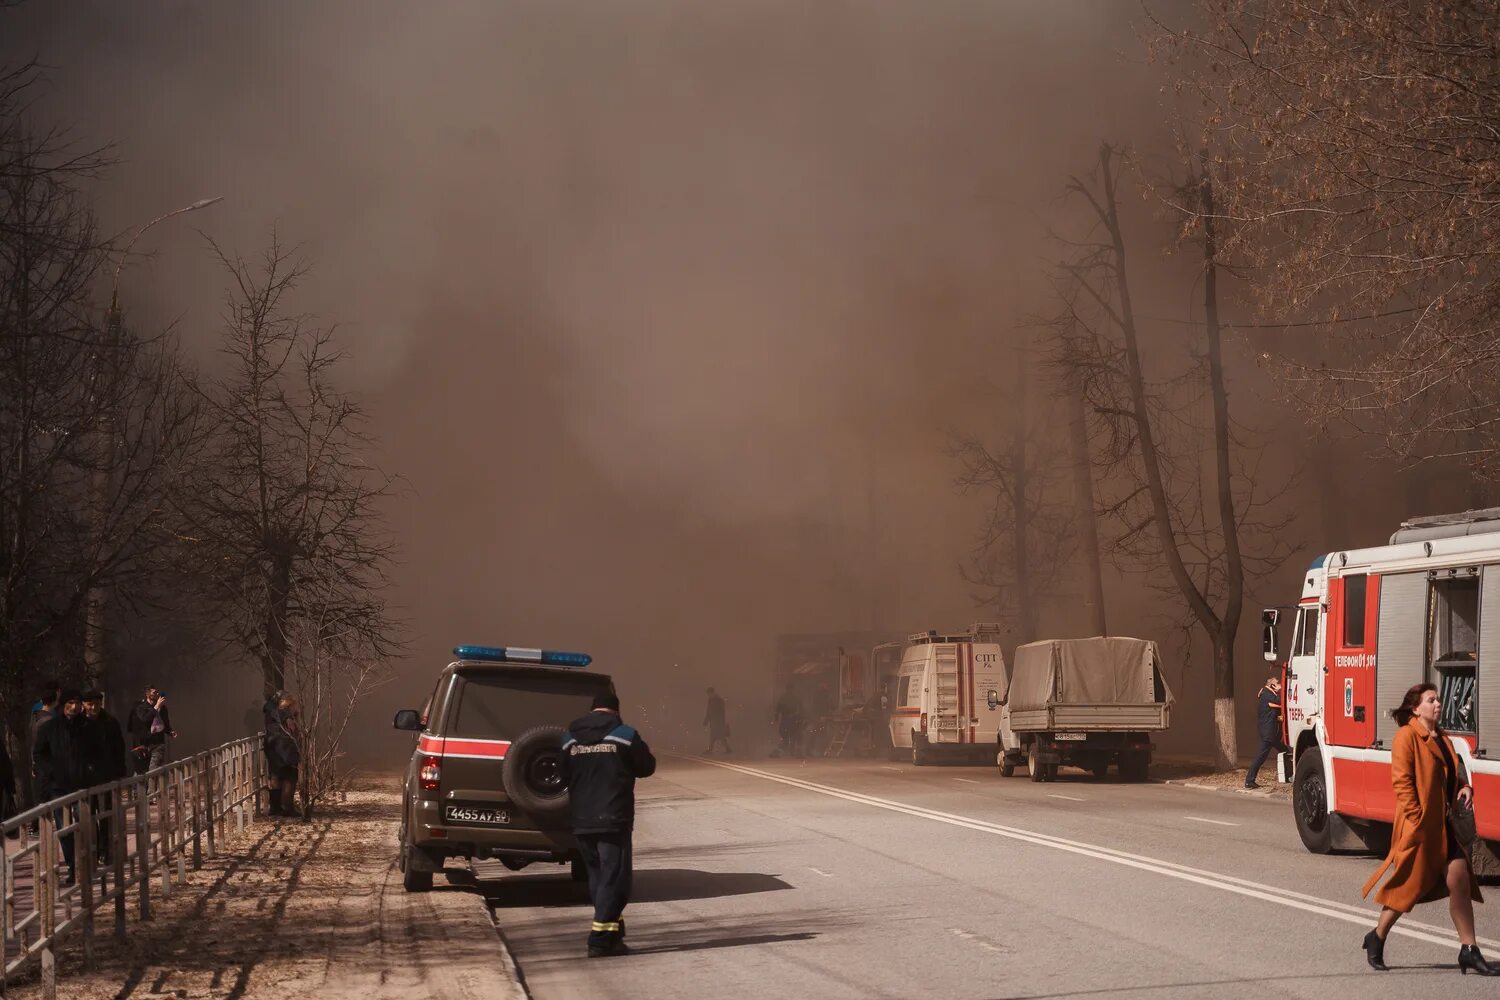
123	834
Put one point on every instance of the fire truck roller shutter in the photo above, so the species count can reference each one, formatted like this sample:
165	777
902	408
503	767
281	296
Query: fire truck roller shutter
1489	662
1401	645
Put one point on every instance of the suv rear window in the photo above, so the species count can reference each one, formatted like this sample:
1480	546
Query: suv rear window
505	707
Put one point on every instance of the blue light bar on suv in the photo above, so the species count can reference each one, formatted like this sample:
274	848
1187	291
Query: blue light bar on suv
517	654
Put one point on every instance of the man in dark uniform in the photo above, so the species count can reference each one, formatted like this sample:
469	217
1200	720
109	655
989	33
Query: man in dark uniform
601	759
1268	708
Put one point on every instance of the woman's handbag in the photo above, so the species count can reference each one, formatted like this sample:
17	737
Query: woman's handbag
1461	823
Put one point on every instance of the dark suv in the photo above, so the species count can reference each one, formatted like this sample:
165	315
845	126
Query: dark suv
484	778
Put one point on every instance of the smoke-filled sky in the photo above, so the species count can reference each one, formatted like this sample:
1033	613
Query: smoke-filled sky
663	310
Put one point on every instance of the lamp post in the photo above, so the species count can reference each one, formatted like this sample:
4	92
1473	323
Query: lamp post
96	599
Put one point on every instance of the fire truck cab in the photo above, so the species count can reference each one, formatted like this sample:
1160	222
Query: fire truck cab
1370	624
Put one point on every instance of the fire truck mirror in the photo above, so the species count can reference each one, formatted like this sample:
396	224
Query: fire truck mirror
1269	647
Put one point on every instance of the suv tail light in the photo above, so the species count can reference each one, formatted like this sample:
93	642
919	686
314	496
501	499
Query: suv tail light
924	722
431	773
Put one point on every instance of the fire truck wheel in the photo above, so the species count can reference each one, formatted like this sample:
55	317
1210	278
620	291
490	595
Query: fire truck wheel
1310	803
1034	767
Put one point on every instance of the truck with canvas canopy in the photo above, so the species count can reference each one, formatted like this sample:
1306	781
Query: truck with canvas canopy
1087	703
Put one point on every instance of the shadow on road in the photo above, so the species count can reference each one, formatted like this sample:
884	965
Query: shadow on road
723	942
652	885
1156	989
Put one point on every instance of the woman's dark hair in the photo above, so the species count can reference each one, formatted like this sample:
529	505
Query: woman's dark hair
1409	704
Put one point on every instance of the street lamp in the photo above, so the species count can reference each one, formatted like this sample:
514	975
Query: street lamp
114	293
97	594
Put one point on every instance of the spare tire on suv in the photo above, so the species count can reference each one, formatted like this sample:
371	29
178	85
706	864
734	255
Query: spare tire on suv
532	773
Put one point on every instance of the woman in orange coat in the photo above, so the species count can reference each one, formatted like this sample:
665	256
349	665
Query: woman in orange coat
1426	861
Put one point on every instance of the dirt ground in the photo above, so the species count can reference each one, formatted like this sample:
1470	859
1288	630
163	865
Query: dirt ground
303	909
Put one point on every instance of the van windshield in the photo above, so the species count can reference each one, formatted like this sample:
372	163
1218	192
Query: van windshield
503	707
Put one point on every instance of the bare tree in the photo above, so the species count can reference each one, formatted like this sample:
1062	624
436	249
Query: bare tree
1150	441
1024	544
285	518
328	673
1356	155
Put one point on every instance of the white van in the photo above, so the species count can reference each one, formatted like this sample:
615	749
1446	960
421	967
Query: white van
941	706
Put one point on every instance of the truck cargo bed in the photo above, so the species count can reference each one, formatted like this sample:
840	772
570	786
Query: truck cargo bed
1092	718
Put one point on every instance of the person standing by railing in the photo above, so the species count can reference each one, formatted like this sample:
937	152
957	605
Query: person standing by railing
104	762
283	756
58	761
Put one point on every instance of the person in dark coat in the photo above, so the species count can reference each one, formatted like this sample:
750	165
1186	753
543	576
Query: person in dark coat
149	726
602	758
104	762
718	727
1268	713
43	712
283	757
58	761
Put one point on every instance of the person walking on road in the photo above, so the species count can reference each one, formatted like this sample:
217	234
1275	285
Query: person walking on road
149	725
58	761
718	728
1268	711
602	758
1427	861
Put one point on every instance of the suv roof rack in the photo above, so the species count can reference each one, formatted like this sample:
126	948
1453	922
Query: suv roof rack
1482	521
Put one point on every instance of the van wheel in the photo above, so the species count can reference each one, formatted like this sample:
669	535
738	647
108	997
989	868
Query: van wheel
414	881
1034	767
1007	768
1135	765
1310	803
920	755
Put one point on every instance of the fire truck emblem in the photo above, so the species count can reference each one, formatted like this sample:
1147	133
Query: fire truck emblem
1348	697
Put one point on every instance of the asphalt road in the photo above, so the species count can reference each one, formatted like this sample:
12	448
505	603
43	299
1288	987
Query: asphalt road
858	879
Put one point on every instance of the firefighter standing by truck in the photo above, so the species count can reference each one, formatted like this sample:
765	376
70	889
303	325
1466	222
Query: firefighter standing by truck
1268	706
602	757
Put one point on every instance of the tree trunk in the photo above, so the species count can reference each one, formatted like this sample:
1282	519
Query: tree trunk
1026	624
1226	745
1234	566
274	639
1083	498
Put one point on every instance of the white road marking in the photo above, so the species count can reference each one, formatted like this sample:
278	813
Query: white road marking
820	871
1216	822
887	767
971	781
960	932
1345	912
1070	798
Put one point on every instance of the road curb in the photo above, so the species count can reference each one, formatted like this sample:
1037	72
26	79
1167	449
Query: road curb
508	962
1249	793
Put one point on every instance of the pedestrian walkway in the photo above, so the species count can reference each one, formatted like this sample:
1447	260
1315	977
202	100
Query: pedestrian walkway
305	909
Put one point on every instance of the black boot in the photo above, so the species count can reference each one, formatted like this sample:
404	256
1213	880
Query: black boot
1470	958
1375	952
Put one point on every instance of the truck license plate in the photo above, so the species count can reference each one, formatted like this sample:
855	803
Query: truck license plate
1075	737
476	815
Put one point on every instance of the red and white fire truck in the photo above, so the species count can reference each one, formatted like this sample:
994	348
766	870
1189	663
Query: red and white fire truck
1370	624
